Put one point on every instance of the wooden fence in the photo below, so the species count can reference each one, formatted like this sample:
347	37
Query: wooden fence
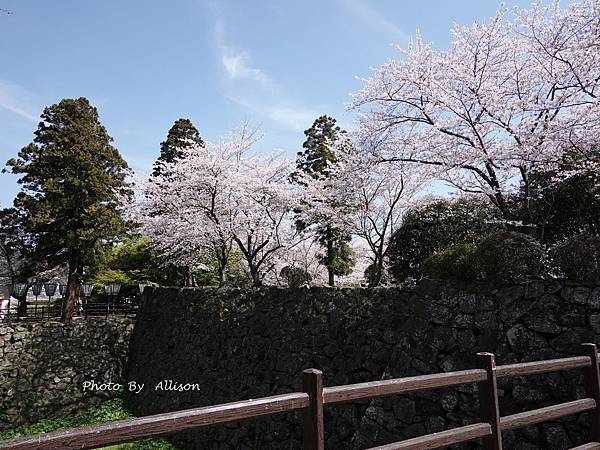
314	396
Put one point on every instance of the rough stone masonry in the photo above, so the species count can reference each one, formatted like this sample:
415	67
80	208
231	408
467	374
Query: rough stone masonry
248	344
43	366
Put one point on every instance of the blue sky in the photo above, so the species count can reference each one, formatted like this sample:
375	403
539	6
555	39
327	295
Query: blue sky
143	64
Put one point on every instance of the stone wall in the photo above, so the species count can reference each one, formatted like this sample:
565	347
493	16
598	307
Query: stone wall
43	366
248	344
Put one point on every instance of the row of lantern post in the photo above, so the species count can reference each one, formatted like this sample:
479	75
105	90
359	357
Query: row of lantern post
19	290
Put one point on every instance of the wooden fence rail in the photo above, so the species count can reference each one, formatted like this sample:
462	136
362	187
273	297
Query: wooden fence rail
314	397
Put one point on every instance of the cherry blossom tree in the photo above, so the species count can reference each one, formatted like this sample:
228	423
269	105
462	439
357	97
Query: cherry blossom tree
384	191
363	196
330	198
218	197
505	100
186	229
262	201
364	260
302	260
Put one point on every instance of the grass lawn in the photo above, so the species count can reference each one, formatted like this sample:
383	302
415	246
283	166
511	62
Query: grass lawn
113	409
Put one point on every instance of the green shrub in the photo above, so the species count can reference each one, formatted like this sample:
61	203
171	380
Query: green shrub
577	258
509	256
433	227
295	277
370	275
458	262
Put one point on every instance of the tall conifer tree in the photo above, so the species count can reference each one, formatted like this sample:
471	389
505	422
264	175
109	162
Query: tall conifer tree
73	181
315	160
182	135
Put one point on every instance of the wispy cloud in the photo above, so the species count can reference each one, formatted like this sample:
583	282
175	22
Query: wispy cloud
252	87
18	100
295	119
372	17
236	62
237	66
289	117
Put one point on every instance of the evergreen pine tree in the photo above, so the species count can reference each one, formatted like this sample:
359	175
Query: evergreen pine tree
315	160
73	182
182	135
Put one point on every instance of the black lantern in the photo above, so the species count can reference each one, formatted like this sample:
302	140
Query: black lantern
87	289
20	289
50	289
112	288
37	290
20	292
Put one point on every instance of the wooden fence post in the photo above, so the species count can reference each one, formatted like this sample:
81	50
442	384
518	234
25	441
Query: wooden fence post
488	401
313	435
591	379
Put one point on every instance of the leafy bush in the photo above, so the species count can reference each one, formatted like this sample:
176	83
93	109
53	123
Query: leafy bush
577	258
434	227
295	276
370	275
564	201
509	256
458	262
131	262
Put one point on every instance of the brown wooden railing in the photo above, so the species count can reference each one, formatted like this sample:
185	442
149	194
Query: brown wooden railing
314	396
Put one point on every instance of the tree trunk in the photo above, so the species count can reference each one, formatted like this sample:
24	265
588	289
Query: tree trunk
188	277
222	276
72	291
255	274
22	307
222	259
330	271
377	274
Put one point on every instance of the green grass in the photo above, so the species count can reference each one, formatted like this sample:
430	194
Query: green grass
113	409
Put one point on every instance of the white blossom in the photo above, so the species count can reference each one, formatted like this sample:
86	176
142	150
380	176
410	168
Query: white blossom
218	197
506	99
